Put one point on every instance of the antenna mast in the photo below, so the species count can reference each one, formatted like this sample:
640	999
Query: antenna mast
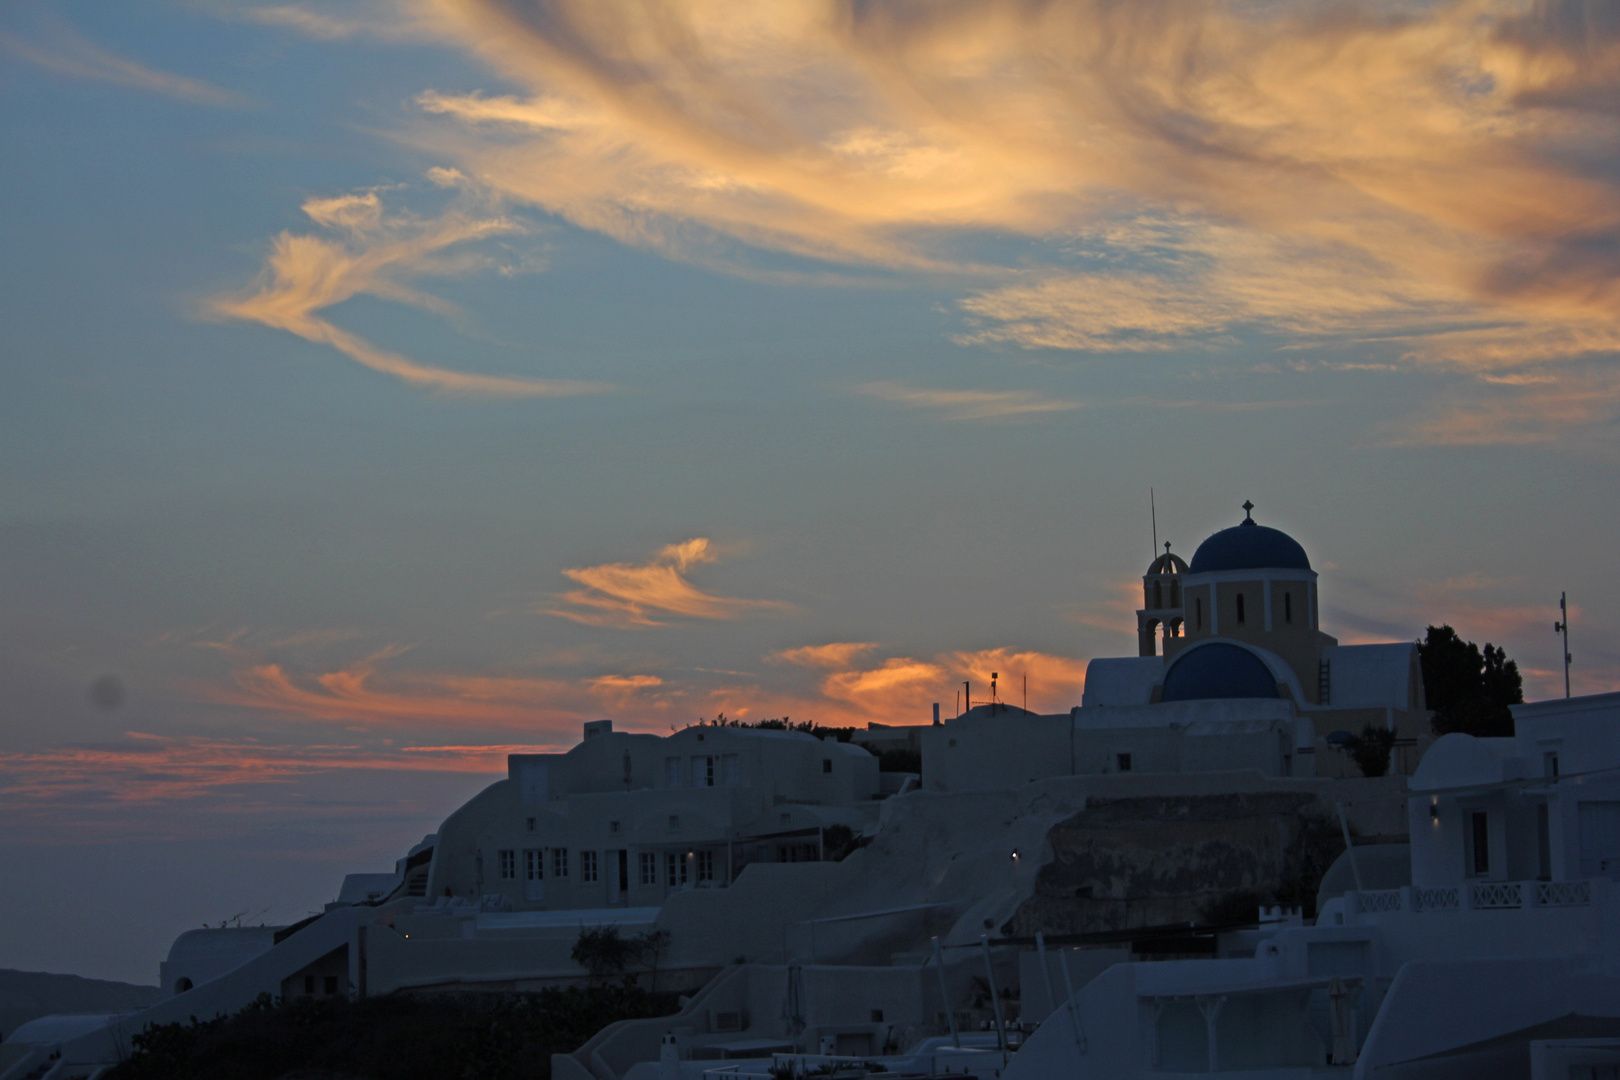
1562	627
1154	511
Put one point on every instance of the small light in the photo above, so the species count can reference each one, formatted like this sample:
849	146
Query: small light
1015	855
1434	811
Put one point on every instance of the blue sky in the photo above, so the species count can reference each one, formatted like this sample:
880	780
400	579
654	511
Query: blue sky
387	384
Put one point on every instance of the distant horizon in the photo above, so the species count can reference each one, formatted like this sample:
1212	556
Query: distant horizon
390	385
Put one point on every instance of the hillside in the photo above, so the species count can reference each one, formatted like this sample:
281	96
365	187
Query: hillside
25	995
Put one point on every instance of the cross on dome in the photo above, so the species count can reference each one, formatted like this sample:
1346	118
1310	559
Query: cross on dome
1248	515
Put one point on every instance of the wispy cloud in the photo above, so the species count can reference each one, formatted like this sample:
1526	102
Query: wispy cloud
639	594
970	404
65	52
146	768
1179	171
835	654
376	254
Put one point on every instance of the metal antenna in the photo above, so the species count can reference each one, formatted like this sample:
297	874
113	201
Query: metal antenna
1562	627
1154	511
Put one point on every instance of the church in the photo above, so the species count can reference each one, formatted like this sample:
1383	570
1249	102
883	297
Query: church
1233	672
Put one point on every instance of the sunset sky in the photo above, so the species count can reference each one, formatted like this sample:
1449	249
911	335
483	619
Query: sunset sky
387	385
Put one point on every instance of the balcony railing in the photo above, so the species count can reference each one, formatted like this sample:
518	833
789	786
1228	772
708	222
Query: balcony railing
1478	895
1435	899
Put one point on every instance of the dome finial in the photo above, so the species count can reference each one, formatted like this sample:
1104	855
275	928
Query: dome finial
1248	515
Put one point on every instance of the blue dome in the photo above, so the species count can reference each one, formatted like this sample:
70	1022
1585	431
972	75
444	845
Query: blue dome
1249	547
1218	670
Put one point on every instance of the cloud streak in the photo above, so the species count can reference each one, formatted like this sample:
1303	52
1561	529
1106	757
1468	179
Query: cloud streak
970	404
375	254
68	53
1428	178
636	595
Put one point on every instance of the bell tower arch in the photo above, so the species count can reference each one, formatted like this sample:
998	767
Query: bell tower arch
1162	611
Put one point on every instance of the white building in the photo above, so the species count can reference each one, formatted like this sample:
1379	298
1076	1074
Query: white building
627	819
1502	952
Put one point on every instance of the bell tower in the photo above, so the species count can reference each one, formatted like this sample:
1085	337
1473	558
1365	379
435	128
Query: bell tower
1162	608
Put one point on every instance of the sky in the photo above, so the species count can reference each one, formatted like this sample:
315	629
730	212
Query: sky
387	385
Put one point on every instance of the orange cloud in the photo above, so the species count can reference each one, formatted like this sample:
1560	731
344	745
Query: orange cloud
631	594
1347	171
832	655
353	695
305	275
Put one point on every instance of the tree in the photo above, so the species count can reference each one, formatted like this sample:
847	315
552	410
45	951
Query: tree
1467	690
1371	749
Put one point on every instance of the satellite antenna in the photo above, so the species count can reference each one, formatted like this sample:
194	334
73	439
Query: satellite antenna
1562	627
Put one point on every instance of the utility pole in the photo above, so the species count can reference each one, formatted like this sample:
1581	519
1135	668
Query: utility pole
1562	627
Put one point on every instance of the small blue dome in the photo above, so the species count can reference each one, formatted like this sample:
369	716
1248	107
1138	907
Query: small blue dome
1218	670
1249	547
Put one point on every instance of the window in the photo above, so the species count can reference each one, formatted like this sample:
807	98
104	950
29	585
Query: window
705	867
1123	761
331	984
587	866
674	870
703	772
613	826
626	770
530	825
309	984
1288	607
534	866
1240	607
649	868
1175	593
559	862
1598	833
730	772
1479	843
877	1016
672	772
1158	595
826	764
1549	764
674	823
508	859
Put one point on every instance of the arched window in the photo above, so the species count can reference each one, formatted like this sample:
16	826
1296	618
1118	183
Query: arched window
1240	607
182	984
1288	607
1158	595
1175	593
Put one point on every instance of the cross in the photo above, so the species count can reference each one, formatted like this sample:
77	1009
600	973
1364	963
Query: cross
1247	507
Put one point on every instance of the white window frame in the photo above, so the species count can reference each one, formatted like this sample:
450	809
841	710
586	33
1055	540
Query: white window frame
649	868
508	861
587	866
559	862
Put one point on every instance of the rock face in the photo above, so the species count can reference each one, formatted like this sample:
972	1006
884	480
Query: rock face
27	995
1129	862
